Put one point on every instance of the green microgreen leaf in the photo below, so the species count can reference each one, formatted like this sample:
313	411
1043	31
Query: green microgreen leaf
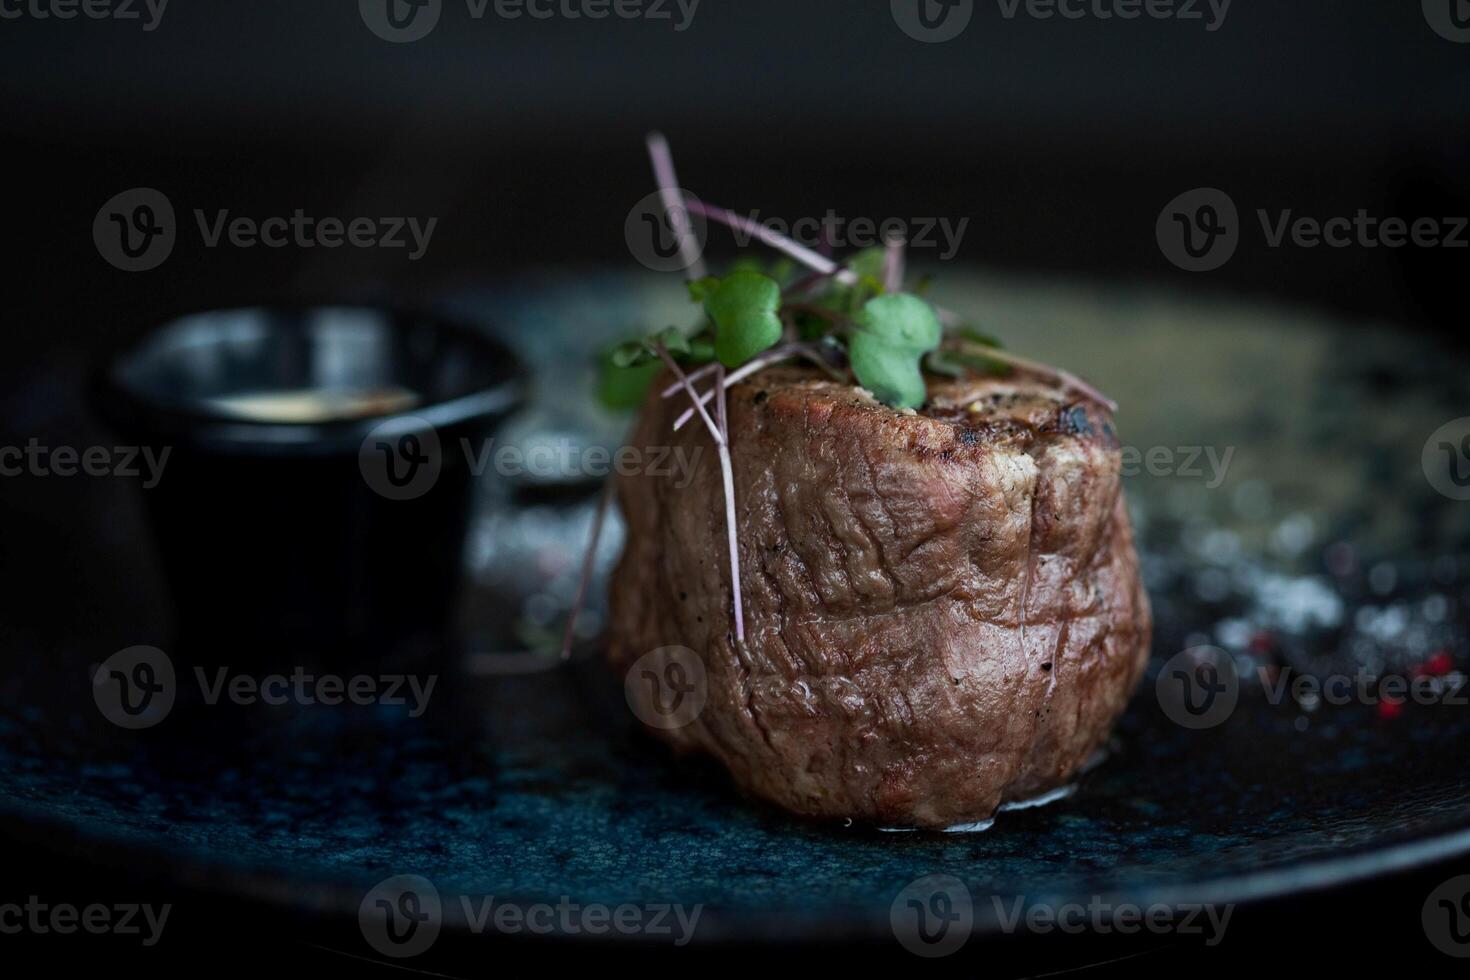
622	387
966	349
868	264
902	320
893	333
891	373
629	353
743	309
699	289
975	336
673	340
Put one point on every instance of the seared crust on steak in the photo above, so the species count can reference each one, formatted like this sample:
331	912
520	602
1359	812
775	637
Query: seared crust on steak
943	609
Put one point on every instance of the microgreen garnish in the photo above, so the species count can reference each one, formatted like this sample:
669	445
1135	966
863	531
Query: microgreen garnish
743	307
891	336
854	320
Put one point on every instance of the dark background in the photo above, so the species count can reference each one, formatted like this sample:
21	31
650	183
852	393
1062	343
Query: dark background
1060	140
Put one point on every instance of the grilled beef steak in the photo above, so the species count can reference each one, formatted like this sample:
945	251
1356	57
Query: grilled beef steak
943	609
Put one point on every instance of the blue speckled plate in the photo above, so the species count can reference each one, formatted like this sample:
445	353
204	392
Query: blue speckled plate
540	785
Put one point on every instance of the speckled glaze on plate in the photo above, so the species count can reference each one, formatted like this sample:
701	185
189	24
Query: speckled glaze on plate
538	785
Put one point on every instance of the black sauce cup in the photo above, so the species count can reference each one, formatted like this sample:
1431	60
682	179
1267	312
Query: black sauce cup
314	503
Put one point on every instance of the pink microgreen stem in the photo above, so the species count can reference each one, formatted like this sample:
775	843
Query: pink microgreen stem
727	471
675	208
694	375
773	356
688	387
774	239
893	265
603	500
720	434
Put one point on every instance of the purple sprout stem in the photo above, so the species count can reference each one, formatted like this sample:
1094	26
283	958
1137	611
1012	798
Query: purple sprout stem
588	559
720	435
750	367
674	205
694	375
774	239
684	383
677	212
893	265
727	471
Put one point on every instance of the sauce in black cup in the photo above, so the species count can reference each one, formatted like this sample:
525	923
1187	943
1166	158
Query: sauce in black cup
315	500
